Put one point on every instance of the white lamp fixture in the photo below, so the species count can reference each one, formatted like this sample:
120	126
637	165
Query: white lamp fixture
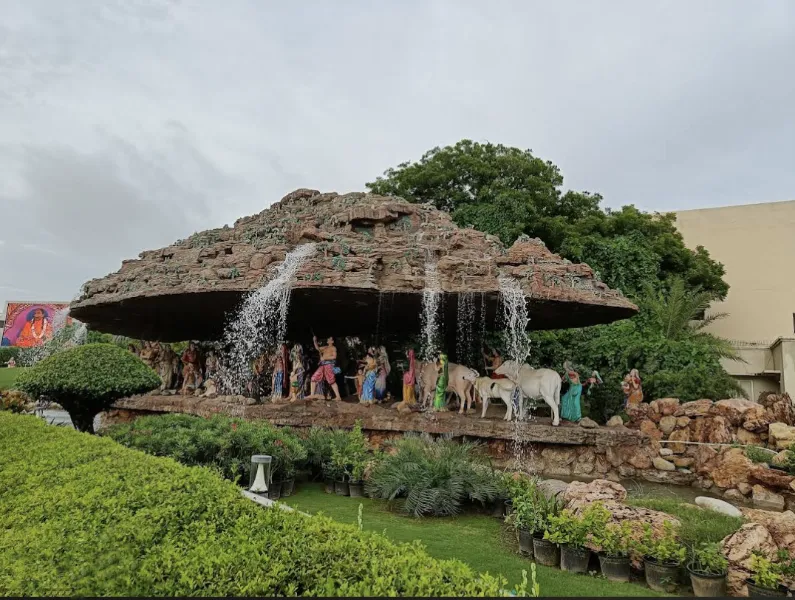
260	473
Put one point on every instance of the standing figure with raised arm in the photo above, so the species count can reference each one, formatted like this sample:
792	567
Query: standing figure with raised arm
326	369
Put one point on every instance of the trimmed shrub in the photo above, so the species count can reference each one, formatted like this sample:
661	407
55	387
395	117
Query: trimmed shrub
434	477
221	442
84	516
88	379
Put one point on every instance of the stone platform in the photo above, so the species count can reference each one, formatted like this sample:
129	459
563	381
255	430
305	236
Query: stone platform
379	419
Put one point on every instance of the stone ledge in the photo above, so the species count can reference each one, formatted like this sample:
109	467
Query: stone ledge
376	418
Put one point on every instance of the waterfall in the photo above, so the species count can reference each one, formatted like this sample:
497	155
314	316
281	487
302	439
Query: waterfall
431	299
465	328
260	323
514	313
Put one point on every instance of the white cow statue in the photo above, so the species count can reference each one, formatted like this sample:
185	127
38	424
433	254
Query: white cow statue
499	389
460	381
535	384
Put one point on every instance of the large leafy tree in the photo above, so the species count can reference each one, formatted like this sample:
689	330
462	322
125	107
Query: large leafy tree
509	192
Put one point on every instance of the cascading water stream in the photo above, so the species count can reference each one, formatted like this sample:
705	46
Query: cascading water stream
260	323
431	299
465	339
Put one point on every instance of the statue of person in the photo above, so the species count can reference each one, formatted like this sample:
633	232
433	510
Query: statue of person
370	370
439	399
298	374
149	354
191	378
410	380
211	365
326	370
165	366
258	369
384	368
633	390
133	349
493	362
278	378
11	363
570	408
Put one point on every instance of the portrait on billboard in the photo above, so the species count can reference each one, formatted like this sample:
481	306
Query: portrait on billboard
30	324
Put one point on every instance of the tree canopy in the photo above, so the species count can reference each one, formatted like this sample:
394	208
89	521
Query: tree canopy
509	192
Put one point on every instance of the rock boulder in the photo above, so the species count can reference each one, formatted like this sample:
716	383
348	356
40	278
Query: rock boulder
739	548
718	506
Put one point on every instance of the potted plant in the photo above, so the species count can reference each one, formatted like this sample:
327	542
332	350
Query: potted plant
614	542
356	484
766	580
665	555
708	569
545	551
342	470
288	479
786	565
329	475
570	532
523	519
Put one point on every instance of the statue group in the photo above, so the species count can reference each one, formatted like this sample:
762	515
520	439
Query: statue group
287	373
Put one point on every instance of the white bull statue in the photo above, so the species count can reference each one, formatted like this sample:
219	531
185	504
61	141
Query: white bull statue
535	384
460	381
498	389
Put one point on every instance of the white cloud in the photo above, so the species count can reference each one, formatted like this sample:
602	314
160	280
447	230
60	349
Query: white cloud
130	123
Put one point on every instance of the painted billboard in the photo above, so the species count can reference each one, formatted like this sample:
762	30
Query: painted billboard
30	324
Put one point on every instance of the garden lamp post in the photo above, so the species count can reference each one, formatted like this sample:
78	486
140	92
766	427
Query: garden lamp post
260	473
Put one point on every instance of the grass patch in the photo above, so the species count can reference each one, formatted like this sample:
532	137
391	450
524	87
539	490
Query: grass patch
477	540
8	377
698	524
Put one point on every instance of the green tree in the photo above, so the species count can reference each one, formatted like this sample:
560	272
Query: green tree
509	192
88	379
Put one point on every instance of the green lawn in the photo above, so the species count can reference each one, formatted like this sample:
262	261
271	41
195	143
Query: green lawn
480	541
8	377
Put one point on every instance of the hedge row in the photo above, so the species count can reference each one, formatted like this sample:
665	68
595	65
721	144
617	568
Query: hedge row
82	515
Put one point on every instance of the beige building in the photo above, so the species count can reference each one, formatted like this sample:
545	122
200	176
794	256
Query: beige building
756	244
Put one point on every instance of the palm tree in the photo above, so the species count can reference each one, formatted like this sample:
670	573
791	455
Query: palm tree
680	314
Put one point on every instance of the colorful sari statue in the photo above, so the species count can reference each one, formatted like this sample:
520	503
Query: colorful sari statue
633	390
279	383
384	368
570	409
441	383
370	374
409	381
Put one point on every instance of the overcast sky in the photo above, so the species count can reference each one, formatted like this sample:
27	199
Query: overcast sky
126	124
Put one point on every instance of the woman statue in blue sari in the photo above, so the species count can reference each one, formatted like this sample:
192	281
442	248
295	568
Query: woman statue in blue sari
570	408
370	374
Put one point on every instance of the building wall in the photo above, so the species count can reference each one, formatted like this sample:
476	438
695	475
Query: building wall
756	244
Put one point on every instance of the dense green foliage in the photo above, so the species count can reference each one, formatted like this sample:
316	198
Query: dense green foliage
434	476
510	192
698	525
531	509
7	353
220	442
708	559
86	380
84	516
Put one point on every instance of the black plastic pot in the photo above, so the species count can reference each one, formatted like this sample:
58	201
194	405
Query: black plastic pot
754	591
545	552
356	489
275	490
329	486
662	577
574	560
526	543
508	507
615	568
341	488
707	586
288	486
499	510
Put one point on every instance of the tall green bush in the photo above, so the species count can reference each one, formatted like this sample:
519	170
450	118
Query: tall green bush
88	379
434	477
221	442
84	516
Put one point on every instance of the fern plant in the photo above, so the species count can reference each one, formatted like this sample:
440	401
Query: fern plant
434	477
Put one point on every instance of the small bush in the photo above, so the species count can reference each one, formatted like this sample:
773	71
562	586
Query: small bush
758	455
88	379
84	516
532	509
220	442
434	477
665	548
707	559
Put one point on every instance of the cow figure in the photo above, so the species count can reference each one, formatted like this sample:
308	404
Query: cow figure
499	389
460	381
534	384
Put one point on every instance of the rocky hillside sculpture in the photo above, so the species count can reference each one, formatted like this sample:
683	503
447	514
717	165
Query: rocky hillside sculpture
369	266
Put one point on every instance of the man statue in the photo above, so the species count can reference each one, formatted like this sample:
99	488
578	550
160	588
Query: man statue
165	366
191	375
326	369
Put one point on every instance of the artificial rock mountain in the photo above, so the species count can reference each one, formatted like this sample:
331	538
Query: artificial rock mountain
367	274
